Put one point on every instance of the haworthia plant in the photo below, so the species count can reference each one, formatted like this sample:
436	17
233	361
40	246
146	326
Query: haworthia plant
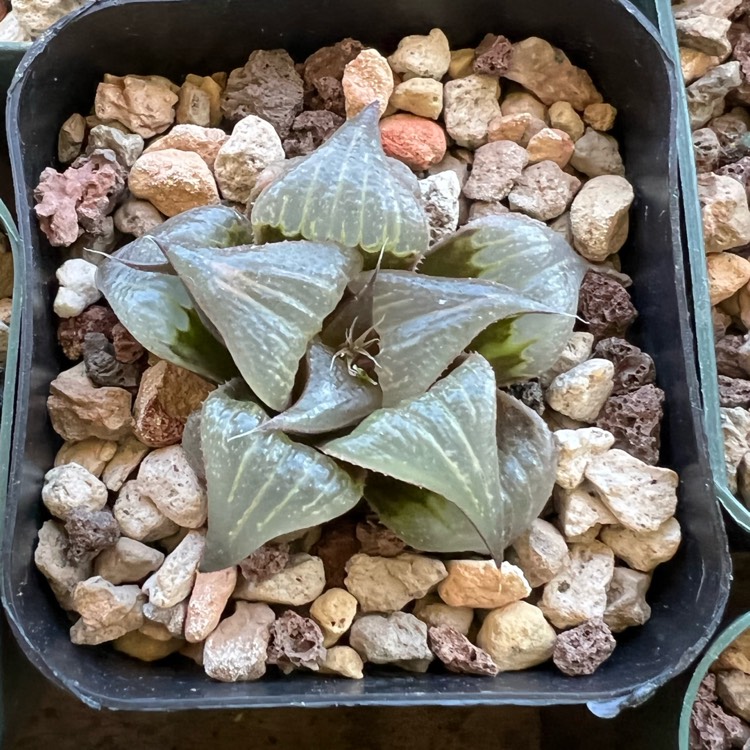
261	484
424	323
267	302
156	307
531	258
347	191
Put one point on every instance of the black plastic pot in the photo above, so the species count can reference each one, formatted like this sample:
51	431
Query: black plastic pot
623	53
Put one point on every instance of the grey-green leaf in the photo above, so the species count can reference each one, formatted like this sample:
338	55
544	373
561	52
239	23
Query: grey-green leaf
156	307
331	399
528	256
267	302
261	484
425	322
347	191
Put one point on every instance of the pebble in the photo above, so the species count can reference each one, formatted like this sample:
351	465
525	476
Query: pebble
710	725
323	71
206	142
706	96
633	368
126	459
735	427
707	150
309	131
707	34
458	653
138	517
334	611
193	106
519	128
367	78
107	611
267	86
577	350
344	661
213	89
173	181
540	553
470	105
737	654
420	56
387	584
481	584
492	55
543	191
144	105
522	102
253	146
171	618
727	274
432	611
440	199
550	144
462	63
236	650
77	288
497	167
600	116
597	154
420	96
642	497
734	392
167	395
166	479
517	637
733	688
575	449
581	392
70	139
580	509
90	532
71	487
563	117
137	217
72	331
480	209
579	591
399	639
127	147
51	558
175	578
725	213
626	599
604	303
582	650
416	141
301	582
265	562
547	72
102	367
296	642
143	647
599	216
644	550
695	64
208	599
127	561
92	453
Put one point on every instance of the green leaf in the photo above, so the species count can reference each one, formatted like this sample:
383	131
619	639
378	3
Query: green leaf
267	302
261	484
331	399
156	307
531	258
347	191
425	322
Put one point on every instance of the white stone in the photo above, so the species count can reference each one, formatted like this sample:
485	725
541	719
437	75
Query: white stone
71	487
107	611
301	582
129	454
252	146
642	497
11	30
644	550
706	97
540	553
77	279
580	509
581	392
579	591
724	212
626	599
128	561
174	580
422	56
440	193
597	154
575	449
470	104
707	34
36	16
399	639
139	518
577	350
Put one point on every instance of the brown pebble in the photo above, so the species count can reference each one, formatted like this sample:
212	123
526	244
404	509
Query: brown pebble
605	305
72	331
458	653
103	368
378	540
583	649
633	367
336	546
265	562
296	641
89	532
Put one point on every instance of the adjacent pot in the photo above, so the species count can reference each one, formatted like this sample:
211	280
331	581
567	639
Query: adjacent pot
170	37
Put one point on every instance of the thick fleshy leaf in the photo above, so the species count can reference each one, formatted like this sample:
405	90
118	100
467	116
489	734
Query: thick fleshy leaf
156	307
331	399
347	191
425	322
423	519
261	484
527	256
268	302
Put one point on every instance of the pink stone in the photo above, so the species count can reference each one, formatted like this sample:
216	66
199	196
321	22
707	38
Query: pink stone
418	142
210	595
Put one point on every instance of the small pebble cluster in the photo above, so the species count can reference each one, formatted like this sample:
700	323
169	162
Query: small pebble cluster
714	37
123	549
721	714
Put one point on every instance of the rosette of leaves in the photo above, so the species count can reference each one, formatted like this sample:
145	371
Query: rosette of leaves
340	383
